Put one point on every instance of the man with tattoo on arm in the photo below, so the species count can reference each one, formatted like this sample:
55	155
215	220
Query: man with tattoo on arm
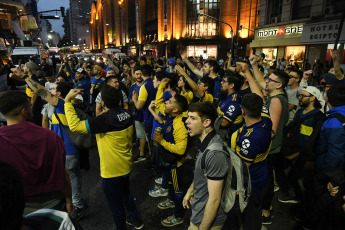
72	153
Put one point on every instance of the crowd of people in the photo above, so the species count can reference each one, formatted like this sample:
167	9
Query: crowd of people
171	107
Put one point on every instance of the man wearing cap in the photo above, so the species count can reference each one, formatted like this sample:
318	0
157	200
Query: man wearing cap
309	100
80	82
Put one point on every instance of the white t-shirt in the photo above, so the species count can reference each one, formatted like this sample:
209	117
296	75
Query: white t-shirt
124	98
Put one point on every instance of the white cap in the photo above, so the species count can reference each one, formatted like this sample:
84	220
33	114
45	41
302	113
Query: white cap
313	91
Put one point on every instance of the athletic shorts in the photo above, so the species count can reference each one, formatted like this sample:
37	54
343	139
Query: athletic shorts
140	129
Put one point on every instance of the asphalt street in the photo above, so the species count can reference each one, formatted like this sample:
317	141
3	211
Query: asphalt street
100	218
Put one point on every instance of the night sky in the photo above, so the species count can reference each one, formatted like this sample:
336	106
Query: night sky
52	5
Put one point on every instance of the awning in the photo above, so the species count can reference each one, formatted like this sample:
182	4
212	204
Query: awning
276	42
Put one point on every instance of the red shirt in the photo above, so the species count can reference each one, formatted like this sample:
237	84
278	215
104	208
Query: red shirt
37	154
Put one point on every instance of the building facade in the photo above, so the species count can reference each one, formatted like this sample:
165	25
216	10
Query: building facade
79	16
298	30
163	27
18	21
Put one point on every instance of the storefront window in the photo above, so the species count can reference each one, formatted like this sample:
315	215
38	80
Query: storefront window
209	51
295	54
271	54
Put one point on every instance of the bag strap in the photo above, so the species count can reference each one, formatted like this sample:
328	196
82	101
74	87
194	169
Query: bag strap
60	124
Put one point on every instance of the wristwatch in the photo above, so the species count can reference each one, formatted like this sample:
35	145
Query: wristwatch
25	77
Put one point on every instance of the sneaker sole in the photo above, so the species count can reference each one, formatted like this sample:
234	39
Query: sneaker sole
288	201
131	224
267	223
172	225
82	214
137	161
161	195
140	227
160	207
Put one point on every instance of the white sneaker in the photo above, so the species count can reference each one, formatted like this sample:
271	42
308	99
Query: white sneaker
159	180
158	192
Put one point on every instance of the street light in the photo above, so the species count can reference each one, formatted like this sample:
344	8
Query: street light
231	32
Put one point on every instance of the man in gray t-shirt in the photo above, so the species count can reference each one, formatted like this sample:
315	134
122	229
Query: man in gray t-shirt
205	192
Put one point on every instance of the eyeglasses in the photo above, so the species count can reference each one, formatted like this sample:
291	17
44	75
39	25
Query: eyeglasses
303	96
290	76
270	79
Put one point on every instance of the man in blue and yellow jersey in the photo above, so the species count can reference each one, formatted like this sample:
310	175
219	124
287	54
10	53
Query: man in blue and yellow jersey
143	99
209	70
95	82
138	115
114	131
201	90
72	153
229	106
173	141
252	144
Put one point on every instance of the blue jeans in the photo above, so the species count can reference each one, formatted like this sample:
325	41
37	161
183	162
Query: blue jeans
119	197
73	169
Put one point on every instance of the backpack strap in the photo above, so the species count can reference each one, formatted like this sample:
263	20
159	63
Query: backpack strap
60	124
210	148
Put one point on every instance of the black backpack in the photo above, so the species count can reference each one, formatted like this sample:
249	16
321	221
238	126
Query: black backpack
291	135
308	152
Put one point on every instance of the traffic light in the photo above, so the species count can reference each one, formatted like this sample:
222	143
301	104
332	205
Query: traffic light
240	28
62	11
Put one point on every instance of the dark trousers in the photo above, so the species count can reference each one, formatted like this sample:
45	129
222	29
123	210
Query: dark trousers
175	190
251	215
119	197
84	159
274	162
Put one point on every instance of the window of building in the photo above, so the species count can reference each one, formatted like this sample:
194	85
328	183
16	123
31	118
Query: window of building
334	7
202	26
301	9
274	11
294	54
206	51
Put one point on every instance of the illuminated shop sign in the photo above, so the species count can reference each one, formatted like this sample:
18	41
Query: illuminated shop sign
322	32
279	31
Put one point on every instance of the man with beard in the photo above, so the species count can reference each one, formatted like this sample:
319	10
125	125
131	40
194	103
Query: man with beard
309	101
39	159
113	82
229	106
138	114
